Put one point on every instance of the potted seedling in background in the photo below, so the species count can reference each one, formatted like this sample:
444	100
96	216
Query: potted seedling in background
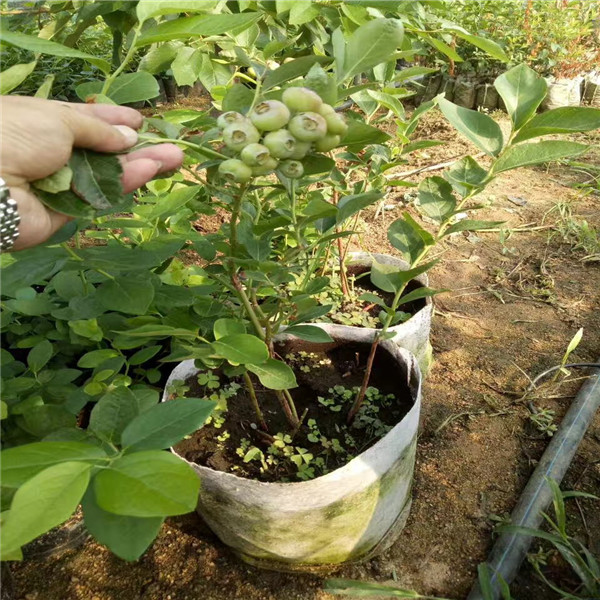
442	199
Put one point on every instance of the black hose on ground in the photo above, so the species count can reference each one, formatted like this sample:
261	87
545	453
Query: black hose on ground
511	548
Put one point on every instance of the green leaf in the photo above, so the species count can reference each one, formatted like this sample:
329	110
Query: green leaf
303	12
575	341
314	164
321	82
291	70
141	356
212	74
3	410
238	98
57	182
202	25
126	88
43	502
403	236
186	65
470	225
568	119
67	203
364	589
404	74
241	349
39	45
535	153
436	199
338	43
310	333
87	328
95	358
350	205
465	175
522	90
390	278
443	48
489	46
360	134
153	8
112	413
44	90
97	178
42	420
274	374
126	537
14	76
371	44
147	484
21	463
482	130
39	355
131	295
159	58
225	327
419	293
388	101
165	424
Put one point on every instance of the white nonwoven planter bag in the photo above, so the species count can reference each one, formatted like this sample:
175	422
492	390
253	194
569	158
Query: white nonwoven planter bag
350	514
412	334
562	92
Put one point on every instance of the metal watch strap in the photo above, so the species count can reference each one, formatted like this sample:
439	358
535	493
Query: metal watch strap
9	219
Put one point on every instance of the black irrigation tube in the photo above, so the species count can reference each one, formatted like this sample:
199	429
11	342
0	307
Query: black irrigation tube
511	548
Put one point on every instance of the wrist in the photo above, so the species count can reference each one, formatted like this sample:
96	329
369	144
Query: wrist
9	219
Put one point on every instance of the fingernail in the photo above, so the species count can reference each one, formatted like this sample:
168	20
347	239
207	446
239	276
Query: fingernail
129	134
159	165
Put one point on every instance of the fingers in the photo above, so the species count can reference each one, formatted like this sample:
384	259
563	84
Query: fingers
141	166
95	134
111	114
169	155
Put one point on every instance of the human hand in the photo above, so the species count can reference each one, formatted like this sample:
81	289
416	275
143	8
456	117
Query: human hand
37	138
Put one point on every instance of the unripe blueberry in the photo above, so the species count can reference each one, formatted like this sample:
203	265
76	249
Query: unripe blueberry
238	135
308	126
325	109
300	99
301	150
281	143
267	167
229	118
327	143
336	123
270	115
254	154
233	169
291	168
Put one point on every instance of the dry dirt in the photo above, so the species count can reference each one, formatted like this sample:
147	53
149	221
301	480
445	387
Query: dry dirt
512	310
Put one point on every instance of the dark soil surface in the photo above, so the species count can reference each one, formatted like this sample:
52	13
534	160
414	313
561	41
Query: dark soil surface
515	304
330	366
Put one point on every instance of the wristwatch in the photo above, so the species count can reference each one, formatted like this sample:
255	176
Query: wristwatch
9	219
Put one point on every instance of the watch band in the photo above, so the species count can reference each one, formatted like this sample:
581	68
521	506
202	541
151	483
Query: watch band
9	219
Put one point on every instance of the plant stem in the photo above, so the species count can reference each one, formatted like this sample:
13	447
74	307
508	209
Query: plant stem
130	53
396	302
290	401
202	149
293	421
343	274
255	405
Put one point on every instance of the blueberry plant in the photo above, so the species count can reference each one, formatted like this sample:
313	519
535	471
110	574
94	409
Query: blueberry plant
89	328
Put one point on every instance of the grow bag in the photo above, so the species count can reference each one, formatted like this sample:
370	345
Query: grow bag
348	515
591	90
562	92
412	334
487	96
465	93
447	88
433	85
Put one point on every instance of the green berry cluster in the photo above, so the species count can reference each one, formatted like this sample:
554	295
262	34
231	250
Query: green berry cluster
278	135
